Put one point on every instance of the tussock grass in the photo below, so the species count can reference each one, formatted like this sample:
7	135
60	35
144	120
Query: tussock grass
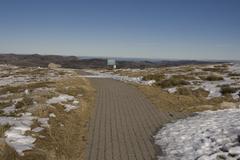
4	104
3	129
212	78
156	77
227	89
189	92
21	88
172	82
217	68
183	104
25	102
234	74
67	142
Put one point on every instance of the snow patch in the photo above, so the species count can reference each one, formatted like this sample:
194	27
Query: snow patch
15	136
138	80
206	136
69	107
43	122
52	115
61	98
37	129
172	90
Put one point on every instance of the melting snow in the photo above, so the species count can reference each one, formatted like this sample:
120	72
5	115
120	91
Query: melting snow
9	109
172	90
207	136
213	87
97	74
13	80
37	129
15	136
69	107
60	98
52	115
43	122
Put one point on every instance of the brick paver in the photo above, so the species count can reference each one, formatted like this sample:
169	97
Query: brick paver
122	124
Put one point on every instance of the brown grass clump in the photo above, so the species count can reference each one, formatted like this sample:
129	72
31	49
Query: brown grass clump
234	74
212	78
172	82
66	139
156	77
179	105
3	129
227	89
5	104
217	68
189	92
21	88
25	102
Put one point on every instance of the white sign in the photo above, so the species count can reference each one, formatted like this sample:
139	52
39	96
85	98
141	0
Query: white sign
111	62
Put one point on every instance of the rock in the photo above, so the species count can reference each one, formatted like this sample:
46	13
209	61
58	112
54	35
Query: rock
53	66
228	105
234	151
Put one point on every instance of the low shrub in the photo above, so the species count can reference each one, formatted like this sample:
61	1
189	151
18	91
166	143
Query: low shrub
156	77
212	78
234	74
227	89
5	104
184	91
3	129
171	82
27	101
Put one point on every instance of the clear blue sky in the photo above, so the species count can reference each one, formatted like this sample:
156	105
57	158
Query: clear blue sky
192	29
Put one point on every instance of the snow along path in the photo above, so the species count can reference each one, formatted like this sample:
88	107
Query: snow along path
207	136
122	124
97	74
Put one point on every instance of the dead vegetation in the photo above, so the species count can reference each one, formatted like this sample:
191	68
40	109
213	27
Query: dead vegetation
172	82
3	129
22	88
184	103
66	137
156	77
227	89
212	78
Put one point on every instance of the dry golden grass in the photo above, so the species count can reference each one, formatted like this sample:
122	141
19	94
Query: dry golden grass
3	129
66	137
69	141
21	88
176	103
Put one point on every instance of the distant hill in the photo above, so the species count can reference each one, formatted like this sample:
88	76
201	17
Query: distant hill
36	60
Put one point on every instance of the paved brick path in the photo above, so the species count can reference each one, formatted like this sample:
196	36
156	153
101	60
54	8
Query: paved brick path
122	124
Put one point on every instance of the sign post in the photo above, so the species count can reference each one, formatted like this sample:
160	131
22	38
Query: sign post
112	62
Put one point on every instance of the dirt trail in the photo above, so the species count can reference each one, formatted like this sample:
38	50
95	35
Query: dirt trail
123	123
